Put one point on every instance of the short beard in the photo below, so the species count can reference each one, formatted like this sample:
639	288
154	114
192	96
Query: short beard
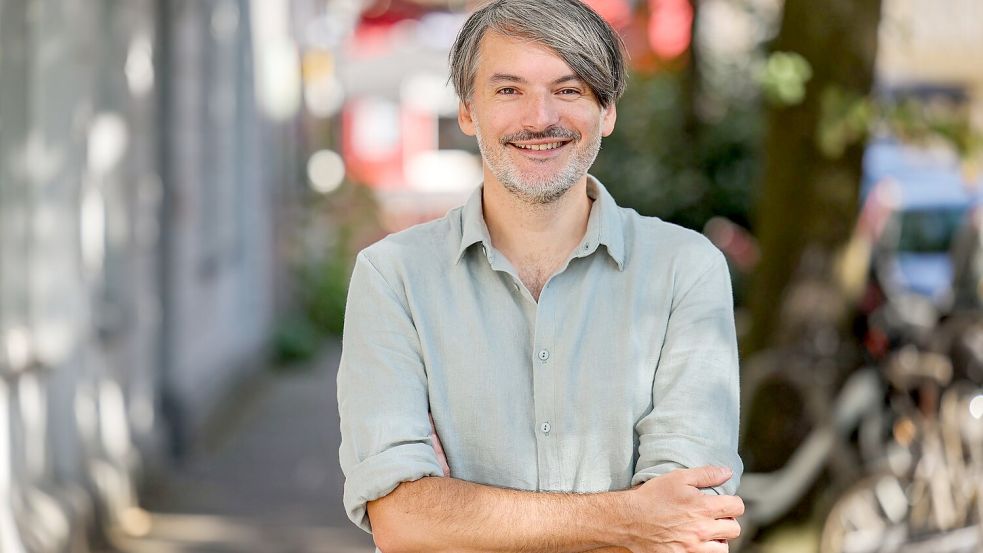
554	186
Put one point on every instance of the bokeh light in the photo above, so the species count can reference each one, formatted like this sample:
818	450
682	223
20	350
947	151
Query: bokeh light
325	171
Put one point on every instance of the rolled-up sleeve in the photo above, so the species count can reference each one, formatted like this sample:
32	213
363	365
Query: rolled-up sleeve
695	393
382	395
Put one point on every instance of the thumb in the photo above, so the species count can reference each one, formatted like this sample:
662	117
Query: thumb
706	476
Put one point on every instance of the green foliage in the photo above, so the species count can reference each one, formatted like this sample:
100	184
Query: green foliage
844	120
295	339
915	120
848	118
329	232
323	290
783	78
663	161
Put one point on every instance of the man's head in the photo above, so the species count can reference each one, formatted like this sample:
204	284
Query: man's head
538	82
569	28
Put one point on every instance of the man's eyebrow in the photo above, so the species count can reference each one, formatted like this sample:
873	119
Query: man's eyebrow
506	77
567	78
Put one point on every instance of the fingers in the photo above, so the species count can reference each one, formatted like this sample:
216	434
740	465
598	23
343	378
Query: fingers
724	506
681	514
705	477
715	547
722	530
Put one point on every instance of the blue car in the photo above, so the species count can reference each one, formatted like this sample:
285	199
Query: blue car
930	201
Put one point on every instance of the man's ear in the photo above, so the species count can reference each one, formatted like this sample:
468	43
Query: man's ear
607	119
464	119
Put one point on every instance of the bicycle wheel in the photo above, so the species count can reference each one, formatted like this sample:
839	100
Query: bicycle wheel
868	518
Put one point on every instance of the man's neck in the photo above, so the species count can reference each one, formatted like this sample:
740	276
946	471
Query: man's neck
526	232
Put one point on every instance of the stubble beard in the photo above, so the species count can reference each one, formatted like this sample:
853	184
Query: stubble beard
551	187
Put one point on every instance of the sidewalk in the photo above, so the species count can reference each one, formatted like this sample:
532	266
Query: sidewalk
270	483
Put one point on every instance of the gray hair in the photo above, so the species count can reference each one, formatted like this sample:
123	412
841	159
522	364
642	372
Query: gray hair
586	42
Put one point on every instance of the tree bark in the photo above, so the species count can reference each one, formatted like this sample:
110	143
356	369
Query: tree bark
807	201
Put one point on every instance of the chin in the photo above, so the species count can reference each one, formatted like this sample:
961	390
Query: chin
539	193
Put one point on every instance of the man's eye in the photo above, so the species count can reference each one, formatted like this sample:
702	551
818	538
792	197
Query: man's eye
569	92
507	90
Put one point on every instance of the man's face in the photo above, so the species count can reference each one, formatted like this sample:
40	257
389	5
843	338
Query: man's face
538	126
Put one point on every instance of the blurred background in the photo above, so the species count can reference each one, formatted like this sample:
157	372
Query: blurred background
184	184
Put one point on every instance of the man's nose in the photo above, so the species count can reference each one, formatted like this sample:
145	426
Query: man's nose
541	112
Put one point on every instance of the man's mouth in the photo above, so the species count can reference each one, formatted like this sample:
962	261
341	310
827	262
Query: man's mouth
540	147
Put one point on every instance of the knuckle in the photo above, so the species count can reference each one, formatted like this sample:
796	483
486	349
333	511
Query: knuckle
701	533
711	506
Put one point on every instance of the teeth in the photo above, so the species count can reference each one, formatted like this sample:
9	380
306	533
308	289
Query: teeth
549	146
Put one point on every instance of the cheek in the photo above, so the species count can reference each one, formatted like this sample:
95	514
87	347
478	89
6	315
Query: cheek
499	123
502	117
585	120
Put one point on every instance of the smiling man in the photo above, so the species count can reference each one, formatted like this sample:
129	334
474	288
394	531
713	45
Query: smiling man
577	360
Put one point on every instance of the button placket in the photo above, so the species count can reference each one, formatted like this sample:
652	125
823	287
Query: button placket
543	360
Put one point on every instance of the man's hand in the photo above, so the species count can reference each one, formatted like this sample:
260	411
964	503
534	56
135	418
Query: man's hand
670	514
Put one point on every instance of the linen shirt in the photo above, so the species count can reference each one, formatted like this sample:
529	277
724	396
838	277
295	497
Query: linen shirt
626	368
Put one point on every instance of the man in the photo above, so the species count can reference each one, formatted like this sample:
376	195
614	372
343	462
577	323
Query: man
578	360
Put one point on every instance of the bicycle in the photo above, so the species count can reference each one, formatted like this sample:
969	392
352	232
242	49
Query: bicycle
926	476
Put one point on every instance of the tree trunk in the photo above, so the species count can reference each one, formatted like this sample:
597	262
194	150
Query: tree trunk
808	202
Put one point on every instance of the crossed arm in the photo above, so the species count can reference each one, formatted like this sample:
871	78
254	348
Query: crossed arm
666	513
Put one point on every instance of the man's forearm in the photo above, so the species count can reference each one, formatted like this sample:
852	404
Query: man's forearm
446	514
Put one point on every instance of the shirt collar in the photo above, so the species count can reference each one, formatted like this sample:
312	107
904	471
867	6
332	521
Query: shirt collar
473	228
603	224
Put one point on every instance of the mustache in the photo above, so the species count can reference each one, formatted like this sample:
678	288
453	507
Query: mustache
549	132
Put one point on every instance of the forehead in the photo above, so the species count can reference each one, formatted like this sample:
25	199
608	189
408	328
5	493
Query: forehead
500	54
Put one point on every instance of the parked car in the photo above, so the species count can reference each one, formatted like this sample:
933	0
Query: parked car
928	201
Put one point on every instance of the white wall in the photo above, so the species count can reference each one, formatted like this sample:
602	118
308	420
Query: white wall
137	258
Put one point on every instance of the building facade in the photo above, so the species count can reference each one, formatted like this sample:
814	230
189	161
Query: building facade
139	193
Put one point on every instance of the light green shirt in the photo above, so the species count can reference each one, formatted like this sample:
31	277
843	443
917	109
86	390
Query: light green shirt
625	369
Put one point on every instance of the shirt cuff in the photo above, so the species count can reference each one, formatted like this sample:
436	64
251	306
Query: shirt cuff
380	474
728	488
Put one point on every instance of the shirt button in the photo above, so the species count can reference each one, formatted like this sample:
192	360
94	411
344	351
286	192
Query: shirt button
545	428
544	355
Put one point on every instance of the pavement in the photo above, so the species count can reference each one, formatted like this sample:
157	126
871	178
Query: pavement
264	479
